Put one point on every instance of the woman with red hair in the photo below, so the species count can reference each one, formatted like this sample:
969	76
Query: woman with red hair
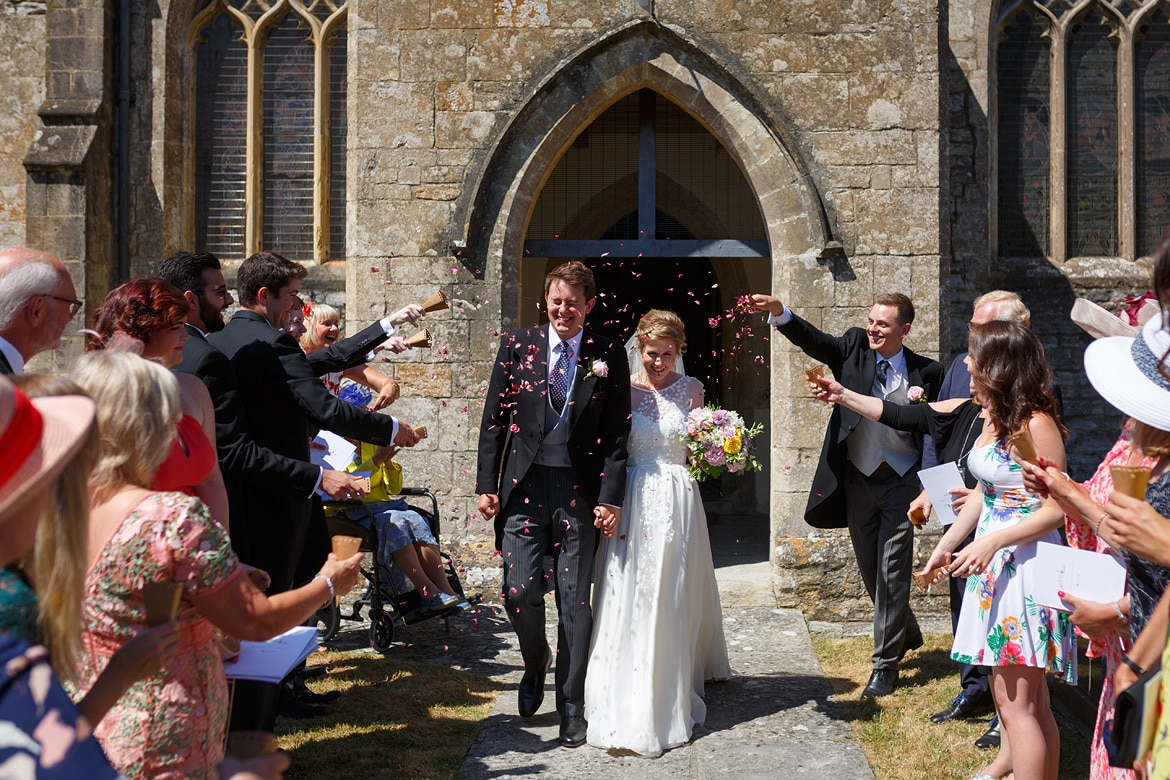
153	312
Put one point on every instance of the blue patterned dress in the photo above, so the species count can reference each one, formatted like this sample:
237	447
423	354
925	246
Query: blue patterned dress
1000	624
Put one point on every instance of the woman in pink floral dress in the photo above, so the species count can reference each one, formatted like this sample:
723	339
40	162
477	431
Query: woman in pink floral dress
170	725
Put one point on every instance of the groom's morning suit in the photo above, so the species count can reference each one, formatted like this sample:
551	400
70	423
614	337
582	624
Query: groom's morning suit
550	469
856	487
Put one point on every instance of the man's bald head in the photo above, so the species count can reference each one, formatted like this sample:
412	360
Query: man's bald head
36	292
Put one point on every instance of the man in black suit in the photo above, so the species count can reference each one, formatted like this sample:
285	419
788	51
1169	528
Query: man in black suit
37	301
552	470
282	397
867	474
241	458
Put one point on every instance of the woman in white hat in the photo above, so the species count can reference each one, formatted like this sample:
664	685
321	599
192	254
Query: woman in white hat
1130	373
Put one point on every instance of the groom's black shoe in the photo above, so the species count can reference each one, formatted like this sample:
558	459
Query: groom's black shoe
532	687
573	728
881	683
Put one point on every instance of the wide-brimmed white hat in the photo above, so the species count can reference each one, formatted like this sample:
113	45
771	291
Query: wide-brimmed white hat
1125	371
38	437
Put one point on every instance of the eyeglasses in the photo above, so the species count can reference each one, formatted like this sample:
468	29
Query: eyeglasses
74	304
220	290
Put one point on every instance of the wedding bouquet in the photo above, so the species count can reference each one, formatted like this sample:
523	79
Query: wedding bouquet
718	440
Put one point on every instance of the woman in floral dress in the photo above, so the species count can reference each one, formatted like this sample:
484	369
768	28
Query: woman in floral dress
1000	625
170	724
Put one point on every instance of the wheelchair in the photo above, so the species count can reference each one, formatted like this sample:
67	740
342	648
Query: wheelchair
385	601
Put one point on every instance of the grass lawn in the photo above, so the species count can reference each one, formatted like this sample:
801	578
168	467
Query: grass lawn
395	719
897	736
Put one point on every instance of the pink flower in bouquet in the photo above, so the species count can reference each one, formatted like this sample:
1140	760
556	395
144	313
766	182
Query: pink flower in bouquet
916	395
716	457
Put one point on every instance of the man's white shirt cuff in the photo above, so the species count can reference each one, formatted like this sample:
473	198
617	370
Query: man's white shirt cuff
783	318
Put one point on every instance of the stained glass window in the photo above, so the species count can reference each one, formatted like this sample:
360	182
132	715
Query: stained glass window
337	143
1092	140
285	192
1106	193
288	141
221	100
1152	74
1022	60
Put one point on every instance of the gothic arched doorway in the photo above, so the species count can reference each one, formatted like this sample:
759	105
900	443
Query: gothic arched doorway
660	210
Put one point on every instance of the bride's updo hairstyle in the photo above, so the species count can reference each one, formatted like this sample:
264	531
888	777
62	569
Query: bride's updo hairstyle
1013	375
661	324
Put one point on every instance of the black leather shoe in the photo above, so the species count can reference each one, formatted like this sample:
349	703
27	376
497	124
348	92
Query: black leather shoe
292	707
532	688
881	683
990	738
573	728
309	697
962	706
311	672
910	643
305	696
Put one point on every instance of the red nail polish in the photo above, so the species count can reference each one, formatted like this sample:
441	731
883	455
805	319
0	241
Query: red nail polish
1060	593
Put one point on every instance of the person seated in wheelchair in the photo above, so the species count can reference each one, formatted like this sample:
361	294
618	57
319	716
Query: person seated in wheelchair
407	551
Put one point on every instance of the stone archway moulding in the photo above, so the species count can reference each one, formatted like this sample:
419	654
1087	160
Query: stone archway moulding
499	203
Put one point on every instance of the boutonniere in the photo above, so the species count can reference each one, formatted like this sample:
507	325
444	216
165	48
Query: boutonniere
598	368
916	395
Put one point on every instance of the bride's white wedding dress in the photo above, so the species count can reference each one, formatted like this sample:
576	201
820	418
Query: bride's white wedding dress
657	625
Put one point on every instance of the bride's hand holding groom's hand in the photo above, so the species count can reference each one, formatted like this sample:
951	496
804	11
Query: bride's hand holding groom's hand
606	518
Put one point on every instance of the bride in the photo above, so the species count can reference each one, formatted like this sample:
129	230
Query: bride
657	625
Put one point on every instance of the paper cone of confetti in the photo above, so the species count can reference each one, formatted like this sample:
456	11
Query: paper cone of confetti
436	302
421	431
422	340
346	546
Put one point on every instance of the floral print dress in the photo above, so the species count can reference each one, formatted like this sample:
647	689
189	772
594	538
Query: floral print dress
172	723
1000	624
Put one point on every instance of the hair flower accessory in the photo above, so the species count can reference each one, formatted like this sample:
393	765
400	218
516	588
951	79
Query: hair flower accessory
599	369
916	395
717	441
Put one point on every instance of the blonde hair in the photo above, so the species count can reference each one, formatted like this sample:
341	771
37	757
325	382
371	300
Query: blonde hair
57	564
137	410
1009	306
661	324
319	314
1152	442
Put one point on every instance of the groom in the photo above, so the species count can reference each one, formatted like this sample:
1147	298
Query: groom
552	470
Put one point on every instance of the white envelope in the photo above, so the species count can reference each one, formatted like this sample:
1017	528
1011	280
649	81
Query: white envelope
1082	573
937	481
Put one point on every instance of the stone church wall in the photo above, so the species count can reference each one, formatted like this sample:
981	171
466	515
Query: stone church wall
880	109
22	28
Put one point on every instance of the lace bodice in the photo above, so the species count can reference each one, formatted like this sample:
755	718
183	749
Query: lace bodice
656	423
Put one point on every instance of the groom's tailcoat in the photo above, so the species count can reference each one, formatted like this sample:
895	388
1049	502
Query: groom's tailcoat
854	365
516	411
